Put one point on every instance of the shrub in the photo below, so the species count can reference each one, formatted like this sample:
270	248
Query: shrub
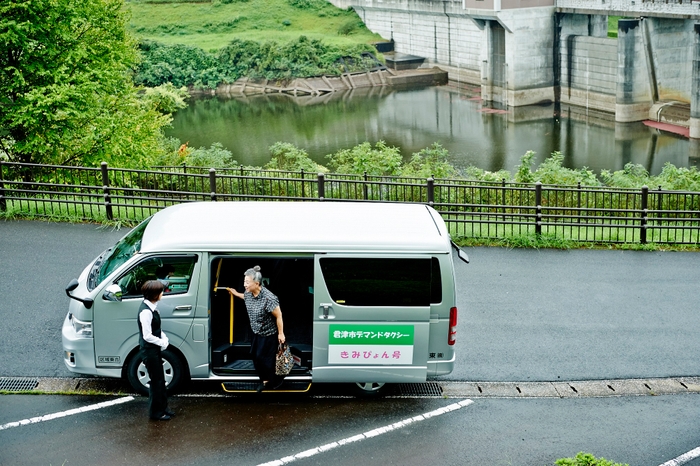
380	160
309	4
213	157
430	162
586	459
286	156
523	172
348	27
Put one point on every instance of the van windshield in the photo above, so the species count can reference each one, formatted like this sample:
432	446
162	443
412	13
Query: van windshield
118	255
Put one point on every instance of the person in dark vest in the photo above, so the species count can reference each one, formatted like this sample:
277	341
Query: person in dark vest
266	322
152	340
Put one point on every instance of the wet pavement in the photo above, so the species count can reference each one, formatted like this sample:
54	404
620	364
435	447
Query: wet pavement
307	430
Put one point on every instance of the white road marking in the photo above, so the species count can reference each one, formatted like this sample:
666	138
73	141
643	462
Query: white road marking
369	434
684	458
70	412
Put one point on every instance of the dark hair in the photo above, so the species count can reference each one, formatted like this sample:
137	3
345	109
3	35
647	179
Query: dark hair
164	270
152	289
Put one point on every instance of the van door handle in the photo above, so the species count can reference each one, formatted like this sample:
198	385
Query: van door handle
326	309
184	307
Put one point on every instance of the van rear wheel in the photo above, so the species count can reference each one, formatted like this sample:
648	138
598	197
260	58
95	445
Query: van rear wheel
173	369
369	389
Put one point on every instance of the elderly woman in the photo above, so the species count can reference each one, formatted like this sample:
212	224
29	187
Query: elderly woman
266	322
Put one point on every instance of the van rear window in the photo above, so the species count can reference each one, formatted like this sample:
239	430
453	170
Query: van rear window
382	282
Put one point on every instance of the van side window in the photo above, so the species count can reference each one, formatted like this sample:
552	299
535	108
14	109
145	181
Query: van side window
174	272
435	282
382	282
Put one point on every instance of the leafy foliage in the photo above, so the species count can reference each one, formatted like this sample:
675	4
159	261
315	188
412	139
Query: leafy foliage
551	171
180	65
183	65
286	156
380	160
670	178
309	4
67	93
586	459
430	162
213	157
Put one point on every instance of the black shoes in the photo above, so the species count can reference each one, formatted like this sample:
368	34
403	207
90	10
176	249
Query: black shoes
164	417
277	383
272	385
170	412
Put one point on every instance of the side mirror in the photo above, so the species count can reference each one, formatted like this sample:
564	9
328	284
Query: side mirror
72	286
113	293
461	254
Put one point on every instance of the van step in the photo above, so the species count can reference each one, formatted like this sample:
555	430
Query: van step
291	386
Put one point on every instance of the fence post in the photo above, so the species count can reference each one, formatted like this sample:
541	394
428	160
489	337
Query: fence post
3	201
364	186
430	185
643	227
212	184
105	190
538	204
321	186
302	183
503	200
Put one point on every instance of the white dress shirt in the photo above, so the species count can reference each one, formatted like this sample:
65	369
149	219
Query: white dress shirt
146	317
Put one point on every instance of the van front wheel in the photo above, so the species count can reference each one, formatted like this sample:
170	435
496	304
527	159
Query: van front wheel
369	389
173	369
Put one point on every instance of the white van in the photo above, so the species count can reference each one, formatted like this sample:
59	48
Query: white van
367	293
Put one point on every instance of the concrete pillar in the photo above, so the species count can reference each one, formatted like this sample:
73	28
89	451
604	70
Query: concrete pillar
598	25
695	89
632	100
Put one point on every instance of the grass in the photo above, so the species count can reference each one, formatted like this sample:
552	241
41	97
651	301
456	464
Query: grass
511	239
612	25
213	25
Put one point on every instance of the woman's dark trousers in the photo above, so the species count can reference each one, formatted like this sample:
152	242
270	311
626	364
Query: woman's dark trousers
157	396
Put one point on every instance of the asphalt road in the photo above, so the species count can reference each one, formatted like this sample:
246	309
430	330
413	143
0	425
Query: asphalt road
254	430
524	315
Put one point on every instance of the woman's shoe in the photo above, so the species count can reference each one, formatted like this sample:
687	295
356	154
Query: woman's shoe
163	417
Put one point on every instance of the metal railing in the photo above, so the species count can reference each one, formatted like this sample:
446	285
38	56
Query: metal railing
470	208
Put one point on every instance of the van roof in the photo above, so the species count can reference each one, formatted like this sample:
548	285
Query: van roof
296	227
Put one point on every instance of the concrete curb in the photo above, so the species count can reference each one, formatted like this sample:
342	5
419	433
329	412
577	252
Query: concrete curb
559	389
573	389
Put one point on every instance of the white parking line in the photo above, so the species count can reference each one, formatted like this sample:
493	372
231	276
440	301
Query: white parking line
684	458
70	412
369	434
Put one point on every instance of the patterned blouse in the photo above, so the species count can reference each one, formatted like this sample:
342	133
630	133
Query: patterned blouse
260	311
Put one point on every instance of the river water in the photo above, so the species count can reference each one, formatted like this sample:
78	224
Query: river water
414	118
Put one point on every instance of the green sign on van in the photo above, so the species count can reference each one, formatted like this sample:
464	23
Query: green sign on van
370	344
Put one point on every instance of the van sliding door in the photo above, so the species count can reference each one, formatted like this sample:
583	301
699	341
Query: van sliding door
372	317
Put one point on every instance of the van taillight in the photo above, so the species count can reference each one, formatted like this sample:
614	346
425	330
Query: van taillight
452	337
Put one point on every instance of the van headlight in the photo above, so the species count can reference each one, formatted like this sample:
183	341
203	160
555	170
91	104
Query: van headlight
82	329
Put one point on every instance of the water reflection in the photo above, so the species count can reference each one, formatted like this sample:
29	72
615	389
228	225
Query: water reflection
413	119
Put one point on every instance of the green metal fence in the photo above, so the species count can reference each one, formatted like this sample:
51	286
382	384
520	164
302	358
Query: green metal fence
470	208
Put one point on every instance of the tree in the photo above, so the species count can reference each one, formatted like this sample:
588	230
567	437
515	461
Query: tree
66	89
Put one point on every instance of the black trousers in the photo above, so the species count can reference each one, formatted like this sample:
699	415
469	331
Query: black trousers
157	396
263	349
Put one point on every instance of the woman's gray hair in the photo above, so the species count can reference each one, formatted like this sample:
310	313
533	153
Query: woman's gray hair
254	274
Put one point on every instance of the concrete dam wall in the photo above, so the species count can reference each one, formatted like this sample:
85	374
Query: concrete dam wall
523	52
